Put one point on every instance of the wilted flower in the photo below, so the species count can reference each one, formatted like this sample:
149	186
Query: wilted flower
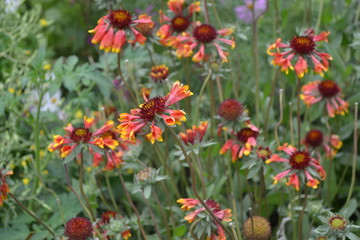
151	113
257	228
203	35
301	49
222	215
178	23
78	135
159	73
194	135
243	144
112	29
328	90
299	163
315	138
4	187
78	228
252	7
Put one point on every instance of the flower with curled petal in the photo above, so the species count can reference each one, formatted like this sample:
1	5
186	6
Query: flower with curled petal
299	163
302	50
145	120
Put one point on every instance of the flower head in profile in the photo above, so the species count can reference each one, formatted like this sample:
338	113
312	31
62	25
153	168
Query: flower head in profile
302	51
159	73
78	228
152	113
179	22
222	214
315	138
327	91
112	30
75	136
194	135
4	187
202	37
299	163
251	11
244	142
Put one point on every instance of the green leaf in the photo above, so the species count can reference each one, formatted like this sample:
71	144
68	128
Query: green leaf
73	154
180	231
147	191
253	171
352	236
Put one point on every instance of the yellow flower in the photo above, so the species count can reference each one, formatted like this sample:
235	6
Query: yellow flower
45	172
11	90
47	66
26	181
79	114
43	22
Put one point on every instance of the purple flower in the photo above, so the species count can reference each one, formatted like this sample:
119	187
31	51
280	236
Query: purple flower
245	12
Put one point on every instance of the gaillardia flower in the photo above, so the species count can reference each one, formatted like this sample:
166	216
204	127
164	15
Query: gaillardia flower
179	23
328	90
4	187
203	35
146	118
257	228
112	29
78	228
252	7
77	135
159	73
223	215
113	226
243	144
302	50
299	163
230	109
315	138
194	135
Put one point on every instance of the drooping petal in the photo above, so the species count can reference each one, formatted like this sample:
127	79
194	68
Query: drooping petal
155	134
177	93
301	67
119	41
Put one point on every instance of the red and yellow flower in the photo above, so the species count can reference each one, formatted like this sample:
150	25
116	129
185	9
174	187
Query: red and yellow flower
194	135
112	29
243	144
76	135
328	90
298	162
144	120
4	187
159	73
104	224
203	35
302	51
177	24
315	138
221	214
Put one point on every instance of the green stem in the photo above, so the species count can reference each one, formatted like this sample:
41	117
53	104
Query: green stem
255	52
301	217
156	226
281	93
298	112
320	8
238	232
163	214
81	179
111	194
200	95
124	80
291	124
193	179
353	175
207	18
32	214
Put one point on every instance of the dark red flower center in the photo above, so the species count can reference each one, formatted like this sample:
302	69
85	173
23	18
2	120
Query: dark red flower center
302	44
152	107
106	216
244	134
263	153
78	228
120	18
80	134
159	73
299	160
314	138
205	33
230	109
180	23
328	88
337	222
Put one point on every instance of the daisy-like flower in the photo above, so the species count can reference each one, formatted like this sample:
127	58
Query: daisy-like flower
328	90
299	163
4	187
82	135
252	7
78	228
112	29
179	23
146	118
159	73
222	214
302	50
194	135
315	138
204	35
243	144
